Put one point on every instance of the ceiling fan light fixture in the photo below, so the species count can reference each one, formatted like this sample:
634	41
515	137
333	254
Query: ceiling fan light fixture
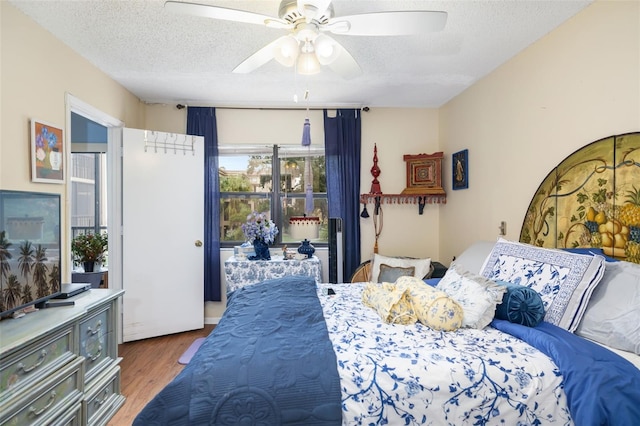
308	63
286	52
326	50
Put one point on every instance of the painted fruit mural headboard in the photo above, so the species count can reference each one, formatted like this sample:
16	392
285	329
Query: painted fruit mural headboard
591	200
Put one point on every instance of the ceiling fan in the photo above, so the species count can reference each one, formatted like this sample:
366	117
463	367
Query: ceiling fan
307	46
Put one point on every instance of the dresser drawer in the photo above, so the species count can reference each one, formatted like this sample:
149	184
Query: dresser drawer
97	342
50	401
28	366
103	399
69	417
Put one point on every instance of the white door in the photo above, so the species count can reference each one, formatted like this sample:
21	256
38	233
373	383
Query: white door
162	230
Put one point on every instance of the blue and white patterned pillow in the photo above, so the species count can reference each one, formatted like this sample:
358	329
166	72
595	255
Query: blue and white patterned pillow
565	281
476	295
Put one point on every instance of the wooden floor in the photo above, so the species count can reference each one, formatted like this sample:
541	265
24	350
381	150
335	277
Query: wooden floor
147	366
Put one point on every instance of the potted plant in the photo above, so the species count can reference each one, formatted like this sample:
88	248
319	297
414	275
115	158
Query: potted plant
88	249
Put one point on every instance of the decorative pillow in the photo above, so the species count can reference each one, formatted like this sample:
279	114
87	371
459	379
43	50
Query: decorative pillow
392	304
474	256
422	266
563	280
432	307
477	295
612	317
520	305
389	274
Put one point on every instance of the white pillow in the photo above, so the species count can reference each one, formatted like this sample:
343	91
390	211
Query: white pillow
473	257
613	314
477	295
421	266
563	280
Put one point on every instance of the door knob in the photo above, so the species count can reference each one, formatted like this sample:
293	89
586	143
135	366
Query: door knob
198	243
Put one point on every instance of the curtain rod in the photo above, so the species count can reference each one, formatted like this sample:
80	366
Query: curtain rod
302	108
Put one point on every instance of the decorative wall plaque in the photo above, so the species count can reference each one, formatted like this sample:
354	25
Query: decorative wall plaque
424	174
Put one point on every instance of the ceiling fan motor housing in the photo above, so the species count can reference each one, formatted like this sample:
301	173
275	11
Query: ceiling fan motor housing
289	12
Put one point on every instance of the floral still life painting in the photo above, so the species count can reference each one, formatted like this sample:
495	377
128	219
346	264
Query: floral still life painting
47	153
591	200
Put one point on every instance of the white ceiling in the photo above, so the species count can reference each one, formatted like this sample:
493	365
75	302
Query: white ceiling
170	58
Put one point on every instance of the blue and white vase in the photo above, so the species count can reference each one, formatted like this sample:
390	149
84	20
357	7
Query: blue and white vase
306	248
262	250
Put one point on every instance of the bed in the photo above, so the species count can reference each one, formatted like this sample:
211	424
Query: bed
288	351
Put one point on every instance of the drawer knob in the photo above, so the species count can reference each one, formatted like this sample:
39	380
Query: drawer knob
97	354
36	412
99	402
96	330
24	370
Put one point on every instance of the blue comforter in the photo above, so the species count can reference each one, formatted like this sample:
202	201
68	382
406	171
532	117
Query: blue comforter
268	362
601	387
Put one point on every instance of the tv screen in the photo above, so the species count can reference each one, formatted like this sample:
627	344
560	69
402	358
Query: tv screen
30	267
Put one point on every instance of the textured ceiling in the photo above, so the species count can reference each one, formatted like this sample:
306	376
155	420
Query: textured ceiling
163	57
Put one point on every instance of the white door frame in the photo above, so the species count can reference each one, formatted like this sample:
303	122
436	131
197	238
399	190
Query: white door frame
114	181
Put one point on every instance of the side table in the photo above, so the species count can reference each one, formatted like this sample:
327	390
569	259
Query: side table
239	273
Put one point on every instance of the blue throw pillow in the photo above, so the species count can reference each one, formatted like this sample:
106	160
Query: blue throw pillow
520	305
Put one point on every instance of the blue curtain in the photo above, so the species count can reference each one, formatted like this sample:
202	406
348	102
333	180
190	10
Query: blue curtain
201	121
342	156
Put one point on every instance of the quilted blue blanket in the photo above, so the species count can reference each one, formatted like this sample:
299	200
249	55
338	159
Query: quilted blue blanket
602	388
269	361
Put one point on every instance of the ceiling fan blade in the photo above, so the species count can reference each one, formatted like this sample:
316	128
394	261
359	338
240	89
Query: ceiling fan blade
215	12
344	64
259	58
388	23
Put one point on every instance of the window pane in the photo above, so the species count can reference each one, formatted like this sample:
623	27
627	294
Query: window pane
245	173
88	192
234	210
295	172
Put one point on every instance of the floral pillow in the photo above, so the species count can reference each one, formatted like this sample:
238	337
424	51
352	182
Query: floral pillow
477	295
564	281
432	307
391	303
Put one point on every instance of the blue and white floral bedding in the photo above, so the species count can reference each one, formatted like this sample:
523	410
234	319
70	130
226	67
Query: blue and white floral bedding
412	375
285	353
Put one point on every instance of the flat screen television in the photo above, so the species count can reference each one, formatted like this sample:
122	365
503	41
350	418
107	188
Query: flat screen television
30	266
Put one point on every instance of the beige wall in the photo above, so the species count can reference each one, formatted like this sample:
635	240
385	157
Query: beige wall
398	132
36	72
578	84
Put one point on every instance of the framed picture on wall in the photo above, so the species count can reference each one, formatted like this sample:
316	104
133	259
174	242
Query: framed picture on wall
460	169
47	152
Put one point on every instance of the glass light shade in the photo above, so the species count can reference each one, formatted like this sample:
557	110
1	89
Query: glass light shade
308	63
326	49
286	52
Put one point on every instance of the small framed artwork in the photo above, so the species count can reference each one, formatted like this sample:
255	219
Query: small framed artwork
47	153
460	169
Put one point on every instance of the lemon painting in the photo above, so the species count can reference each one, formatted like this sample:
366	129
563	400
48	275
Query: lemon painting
591	200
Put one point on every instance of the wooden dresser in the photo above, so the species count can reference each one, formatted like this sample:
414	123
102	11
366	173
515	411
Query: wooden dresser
60	365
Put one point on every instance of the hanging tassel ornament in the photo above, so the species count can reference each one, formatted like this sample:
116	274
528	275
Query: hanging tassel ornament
308	174
306	127
365	213
306	133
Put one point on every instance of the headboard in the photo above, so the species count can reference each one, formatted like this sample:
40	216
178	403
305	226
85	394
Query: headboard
591	200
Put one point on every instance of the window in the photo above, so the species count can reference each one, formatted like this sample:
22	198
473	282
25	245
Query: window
88	193
247	176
